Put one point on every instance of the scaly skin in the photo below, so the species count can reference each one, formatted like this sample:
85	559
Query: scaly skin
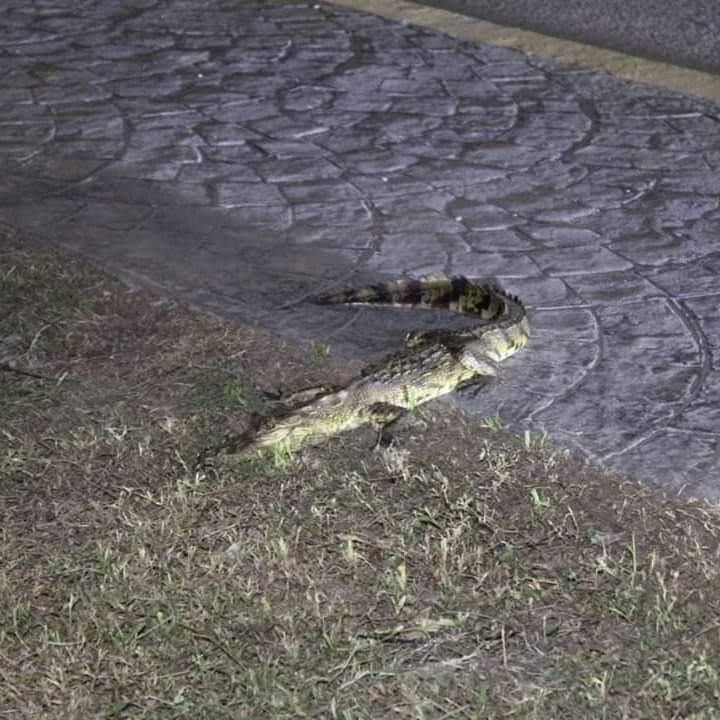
432	364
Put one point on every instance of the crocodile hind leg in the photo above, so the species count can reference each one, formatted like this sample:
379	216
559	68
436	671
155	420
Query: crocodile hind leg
478	361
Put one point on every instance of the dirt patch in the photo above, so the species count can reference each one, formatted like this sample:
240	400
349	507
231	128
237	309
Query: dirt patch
463	572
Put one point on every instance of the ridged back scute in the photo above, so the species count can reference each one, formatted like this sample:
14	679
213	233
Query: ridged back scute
438	292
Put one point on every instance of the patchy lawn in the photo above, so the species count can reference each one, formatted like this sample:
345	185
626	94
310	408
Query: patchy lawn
462	573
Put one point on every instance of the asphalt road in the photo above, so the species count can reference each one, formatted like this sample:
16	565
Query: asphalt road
682	33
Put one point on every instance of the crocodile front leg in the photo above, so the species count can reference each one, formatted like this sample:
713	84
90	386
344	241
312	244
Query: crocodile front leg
383	416
297	399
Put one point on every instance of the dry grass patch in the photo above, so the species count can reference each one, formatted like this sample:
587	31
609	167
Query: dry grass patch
463	573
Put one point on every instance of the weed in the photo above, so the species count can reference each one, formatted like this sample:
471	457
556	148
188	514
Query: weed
320	351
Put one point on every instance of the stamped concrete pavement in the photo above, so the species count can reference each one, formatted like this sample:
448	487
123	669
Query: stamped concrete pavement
241	155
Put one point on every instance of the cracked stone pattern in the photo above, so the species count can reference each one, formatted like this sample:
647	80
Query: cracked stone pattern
241	155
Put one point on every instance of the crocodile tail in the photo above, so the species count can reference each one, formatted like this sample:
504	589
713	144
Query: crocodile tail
507	326
457	294
514	311
505	337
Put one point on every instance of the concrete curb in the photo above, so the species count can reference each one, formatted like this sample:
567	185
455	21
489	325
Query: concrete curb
627	67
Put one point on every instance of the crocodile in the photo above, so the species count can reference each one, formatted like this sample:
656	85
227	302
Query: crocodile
432	363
